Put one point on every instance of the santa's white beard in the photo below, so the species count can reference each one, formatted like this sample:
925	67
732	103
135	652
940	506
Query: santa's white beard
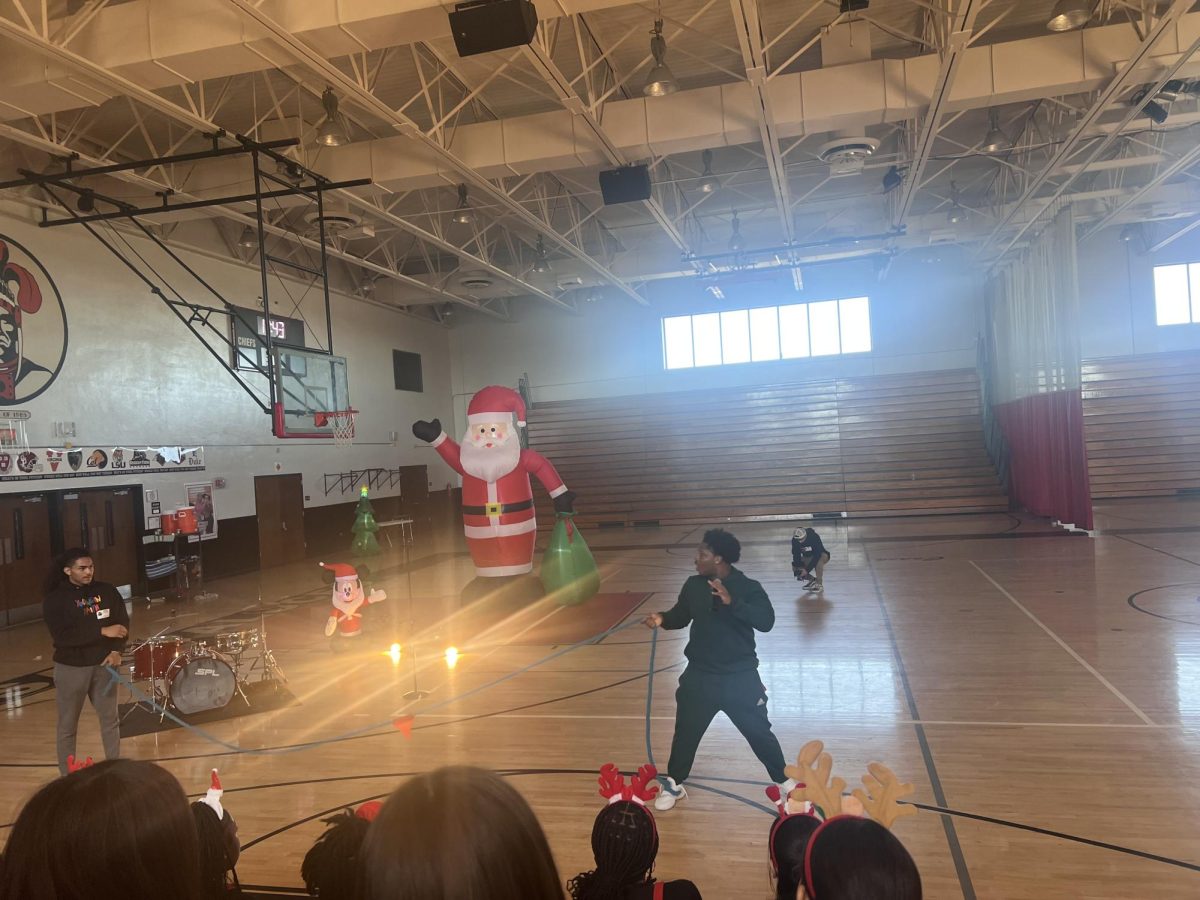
490	464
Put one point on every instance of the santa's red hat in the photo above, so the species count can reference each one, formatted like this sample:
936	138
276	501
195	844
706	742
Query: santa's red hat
496	400
213	796
340	570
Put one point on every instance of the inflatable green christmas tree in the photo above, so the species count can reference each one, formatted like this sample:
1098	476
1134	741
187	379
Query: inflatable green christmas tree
364	528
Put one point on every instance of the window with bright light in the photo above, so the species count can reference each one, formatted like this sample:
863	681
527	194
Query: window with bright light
796	331
1177	294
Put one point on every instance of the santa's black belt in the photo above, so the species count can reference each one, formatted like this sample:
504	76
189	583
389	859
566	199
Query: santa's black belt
497	509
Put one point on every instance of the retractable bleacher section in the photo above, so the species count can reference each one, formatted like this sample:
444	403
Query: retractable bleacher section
869	446
1142	423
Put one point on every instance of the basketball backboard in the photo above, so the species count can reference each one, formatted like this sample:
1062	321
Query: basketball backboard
308	382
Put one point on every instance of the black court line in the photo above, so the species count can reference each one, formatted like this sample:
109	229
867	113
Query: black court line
1132	601
1190	562
956	853
1164	529
392	732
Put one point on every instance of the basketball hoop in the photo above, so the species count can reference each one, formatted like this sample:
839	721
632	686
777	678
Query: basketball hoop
341	424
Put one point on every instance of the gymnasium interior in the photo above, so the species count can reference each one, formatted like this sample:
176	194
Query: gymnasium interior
922	276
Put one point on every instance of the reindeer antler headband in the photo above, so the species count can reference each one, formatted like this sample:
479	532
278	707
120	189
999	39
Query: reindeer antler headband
818	795
641	787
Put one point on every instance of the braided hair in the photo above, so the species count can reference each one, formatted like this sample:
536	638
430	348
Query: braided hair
215	859
625	844
330	867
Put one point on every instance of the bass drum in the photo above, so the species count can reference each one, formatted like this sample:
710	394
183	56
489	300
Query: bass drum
199	681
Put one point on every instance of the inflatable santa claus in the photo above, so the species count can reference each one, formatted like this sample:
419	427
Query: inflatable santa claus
497	496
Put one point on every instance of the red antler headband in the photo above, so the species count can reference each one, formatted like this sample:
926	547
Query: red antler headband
641	786
74	765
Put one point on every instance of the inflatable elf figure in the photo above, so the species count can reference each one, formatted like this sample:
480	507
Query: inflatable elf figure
364	528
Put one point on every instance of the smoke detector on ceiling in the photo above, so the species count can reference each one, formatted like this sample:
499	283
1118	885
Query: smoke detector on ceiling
846	155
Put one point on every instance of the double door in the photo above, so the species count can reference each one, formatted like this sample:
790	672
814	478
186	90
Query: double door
36	527
105	523
25	555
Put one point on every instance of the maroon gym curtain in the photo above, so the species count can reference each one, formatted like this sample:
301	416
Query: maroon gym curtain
1033	332
1047	456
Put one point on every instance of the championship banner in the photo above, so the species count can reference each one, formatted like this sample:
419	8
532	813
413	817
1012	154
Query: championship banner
40	463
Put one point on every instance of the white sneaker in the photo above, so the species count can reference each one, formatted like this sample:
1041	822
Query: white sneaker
669	793
815	587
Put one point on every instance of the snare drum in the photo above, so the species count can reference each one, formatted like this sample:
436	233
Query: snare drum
154	657
200	680
235	643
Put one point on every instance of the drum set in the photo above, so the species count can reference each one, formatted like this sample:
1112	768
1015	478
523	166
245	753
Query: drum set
192	675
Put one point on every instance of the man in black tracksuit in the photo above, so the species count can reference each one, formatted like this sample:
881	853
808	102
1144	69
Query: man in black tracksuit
724	608
89	625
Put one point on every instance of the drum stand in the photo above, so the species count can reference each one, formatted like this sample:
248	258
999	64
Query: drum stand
157	696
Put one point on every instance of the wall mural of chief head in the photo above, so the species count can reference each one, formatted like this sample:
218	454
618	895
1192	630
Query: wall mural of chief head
33	325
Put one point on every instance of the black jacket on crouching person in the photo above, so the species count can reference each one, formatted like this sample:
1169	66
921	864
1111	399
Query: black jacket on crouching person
807	550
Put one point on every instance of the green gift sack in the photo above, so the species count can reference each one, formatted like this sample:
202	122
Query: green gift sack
569	572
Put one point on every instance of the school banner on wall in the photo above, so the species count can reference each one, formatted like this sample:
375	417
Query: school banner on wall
41	463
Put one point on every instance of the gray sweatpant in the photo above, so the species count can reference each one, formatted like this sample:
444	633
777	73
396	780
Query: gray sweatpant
72	684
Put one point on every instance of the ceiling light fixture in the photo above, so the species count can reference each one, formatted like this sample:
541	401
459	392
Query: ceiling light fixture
541	262
737	243
86	202
709	183
463	214
248	238
331	133
956	213
1069	15
661	81
996	141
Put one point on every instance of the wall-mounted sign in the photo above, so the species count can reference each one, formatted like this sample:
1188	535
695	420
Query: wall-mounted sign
39	463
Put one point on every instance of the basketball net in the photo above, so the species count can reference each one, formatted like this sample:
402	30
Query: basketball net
341	425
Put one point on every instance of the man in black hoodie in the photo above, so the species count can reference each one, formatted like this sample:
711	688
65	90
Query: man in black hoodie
89	625
724	608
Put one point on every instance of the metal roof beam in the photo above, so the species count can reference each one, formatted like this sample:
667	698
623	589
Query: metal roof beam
354	93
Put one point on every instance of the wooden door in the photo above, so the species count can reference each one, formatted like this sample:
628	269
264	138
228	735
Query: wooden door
25	554
103	522
279	506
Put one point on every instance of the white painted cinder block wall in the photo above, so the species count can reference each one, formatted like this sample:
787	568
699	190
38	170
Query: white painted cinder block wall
925	316
134	376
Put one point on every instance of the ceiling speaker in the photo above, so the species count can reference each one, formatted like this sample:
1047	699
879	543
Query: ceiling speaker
486	25
627	184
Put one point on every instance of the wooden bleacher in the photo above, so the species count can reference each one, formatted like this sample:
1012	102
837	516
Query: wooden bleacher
874	446
1142	422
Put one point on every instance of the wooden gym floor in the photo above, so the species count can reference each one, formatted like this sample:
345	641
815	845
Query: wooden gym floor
1042	687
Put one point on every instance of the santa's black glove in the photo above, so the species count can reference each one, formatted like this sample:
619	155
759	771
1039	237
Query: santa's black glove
565	502
427	431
